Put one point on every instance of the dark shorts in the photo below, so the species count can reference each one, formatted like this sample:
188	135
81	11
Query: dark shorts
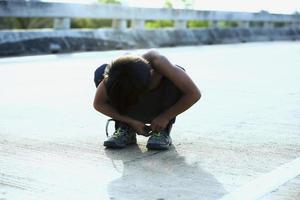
153	102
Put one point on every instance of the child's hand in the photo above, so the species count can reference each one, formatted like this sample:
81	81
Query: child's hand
138	126
159	123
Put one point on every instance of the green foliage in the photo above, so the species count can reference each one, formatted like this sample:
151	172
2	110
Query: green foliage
32	23
8	23
228	24
25	23
110	1
168	4
91	23
256	24
279	24
151	24
197	24
188	3
94	23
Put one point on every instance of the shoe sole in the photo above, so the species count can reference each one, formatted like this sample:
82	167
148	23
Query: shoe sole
158	146
113	145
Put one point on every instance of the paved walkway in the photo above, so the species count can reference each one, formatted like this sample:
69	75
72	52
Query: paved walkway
246	125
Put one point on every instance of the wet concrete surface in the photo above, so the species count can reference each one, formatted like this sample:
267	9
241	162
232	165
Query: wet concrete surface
246	124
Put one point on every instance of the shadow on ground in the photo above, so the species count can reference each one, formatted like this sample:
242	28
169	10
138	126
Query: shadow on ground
160	175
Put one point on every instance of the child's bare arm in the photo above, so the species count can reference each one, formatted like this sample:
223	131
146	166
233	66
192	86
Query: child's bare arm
181	80
101	104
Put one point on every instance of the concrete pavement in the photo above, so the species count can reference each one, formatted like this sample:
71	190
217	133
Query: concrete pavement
247	124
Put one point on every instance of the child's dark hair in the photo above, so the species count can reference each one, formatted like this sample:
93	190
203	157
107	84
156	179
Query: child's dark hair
128	78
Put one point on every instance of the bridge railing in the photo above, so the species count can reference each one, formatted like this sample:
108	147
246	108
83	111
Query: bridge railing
62	13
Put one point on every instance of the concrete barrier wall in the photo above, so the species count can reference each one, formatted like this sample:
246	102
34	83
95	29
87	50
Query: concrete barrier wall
50	41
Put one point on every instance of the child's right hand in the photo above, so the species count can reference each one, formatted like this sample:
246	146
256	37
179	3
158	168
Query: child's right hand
138	126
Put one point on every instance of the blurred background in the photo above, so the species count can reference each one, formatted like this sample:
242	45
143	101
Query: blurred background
281	6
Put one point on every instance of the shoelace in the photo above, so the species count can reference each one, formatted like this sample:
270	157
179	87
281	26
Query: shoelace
157	134
118	133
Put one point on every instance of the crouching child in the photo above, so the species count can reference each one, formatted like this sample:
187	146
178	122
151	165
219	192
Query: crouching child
140	90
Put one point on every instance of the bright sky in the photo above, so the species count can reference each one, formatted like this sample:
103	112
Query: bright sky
274	6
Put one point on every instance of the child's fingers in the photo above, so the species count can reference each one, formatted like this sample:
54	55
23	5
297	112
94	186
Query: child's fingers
156	127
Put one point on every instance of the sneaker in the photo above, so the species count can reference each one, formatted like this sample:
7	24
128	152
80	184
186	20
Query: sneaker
159	141
123	136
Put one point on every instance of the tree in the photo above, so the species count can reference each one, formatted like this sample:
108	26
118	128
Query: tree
168	4
110	1
188	4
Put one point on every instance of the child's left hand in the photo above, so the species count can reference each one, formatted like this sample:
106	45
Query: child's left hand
159	123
